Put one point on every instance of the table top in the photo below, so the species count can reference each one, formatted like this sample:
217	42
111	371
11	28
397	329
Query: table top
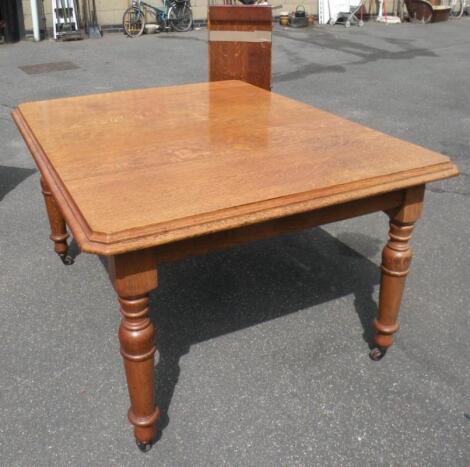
140	168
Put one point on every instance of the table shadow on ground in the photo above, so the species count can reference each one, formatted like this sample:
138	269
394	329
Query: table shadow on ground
205	297
11	177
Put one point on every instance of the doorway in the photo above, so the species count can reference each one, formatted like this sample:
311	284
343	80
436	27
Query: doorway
11	20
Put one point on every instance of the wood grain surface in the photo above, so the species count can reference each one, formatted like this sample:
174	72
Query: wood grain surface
136	169
245	61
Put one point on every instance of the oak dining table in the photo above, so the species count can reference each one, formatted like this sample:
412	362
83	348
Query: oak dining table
148	176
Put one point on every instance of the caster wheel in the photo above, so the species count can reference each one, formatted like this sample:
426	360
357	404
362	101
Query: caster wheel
144	447
377	353
361	23
347	24
67	260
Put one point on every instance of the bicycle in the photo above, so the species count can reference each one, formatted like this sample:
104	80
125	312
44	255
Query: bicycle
457	7
176	15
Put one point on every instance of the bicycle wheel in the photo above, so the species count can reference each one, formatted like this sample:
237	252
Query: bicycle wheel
456	8
133	22
180	17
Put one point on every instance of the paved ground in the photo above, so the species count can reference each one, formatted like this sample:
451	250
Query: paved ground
263	349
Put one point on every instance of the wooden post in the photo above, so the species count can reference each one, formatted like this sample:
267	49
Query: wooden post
396	260
240	43
134	275
59	233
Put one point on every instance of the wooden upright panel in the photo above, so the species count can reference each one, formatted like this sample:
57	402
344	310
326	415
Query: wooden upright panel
240	44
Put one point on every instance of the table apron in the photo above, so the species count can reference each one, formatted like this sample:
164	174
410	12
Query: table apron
182	249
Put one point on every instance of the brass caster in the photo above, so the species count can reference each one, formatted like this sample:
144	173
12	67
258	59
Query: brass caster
144	447
377	353
67	259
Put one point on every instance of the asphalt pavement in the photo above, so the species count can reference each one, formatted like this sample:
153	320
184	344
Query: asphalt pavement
263	349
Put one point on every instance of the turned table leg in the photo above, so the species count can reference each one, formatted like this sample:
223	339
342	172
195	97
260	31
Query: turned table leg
396	259
59	233
134	275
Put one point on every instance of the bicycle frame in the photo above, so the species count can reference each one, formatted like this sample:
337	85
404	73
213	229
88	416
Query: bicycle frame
162	15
